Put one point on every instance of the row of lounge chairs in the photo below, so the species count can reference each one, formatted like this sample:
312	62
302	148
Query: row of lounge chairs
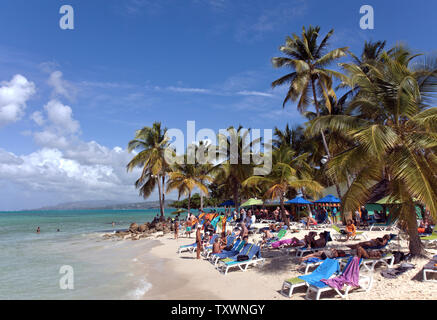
228	259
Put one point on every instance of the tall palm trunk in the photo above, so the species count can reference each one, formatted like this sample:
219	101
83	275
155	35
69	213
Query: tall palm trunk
201	200
325	144
160	197
163	196
236	196
189	201
415	244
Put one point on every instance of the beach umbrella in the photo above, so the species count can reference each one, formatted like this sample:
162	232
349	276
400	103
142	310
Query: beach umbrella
298	200
227	203
252	202
328	199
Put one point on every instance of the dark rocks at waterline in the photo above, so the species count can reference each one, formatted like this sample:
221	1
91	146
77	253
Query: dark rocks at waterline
136	232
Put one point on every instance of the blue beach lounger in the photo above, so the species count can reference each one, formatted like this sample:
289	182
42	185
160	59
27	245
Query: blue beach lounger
254	256
319	287
238	246
323	271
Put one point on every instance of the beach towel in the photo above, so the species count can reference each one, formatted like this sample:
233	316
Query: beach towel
324	271
350	276
279	243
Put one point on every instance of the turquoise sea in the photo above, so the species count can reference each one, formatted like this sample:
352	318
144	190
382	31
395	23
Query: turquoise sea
102	269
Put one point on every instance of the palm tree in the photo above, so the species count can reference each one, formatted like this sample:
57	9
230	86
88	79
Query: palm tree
394	133
234	160
152	143
185	177
308	60
289	172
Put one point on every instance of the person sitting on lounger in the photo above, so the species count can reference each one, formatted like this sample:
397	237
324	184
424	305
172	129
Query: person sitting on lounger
276	227
216	248
351	230
312	242
267	235
223	241
310	221
322	255
371	254
378	242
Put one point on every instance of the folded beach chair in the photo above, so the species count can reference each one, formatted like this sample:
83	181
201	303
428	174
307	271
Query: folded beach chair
350	277
238	246
340	236
254	256
323	271
430	267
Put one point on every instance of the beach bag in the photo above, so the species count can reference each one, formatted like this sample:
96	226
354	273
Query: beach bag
242	257
399	256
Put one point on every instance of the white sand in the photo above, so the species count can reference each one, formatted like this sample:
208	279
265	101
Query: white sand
184	277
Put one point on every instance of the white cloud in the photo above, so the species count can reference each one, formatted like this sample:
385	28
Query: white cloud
51	170
61	87
61	116
255	93
38	118
13	98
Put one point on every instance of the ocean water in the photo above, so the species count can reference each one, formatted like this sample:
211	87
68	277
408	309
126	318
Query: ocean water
30	263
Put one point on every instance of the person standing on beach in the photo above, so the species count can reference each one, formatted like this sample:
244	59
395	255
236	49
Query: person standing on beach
176	229
198	241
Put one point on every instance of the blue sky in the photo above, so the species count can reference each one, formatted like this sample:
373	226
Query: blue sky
79	95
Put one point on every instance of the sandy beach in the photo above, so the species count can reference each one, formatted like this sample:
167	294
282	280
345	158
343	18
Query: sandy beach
182	276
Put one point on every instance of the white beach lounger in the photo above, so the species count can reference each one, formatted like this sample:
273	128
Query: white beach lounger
430	268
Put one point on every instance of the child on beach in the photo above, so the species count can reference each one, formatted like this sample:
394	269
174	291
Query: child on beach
351	230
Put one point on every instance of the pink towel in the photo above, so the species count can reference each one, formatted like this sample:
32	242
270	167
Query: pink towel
350	276
279	243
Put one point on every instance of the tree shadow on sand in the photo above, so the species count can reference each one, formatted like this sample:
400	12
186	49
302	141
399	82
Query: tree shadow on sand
277	261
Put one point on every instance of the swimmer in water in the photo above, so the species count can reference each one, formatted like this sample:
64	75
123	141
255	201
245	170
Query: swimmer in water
38	230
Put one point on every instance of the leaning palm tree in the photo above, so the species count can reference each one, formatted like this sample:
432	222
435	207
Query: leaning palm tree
152	143
310	78
394	132
289	172
185	177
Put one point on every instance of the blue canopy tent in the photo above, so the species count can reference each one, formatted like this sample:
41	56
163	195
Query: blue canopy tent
298	201
328	199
